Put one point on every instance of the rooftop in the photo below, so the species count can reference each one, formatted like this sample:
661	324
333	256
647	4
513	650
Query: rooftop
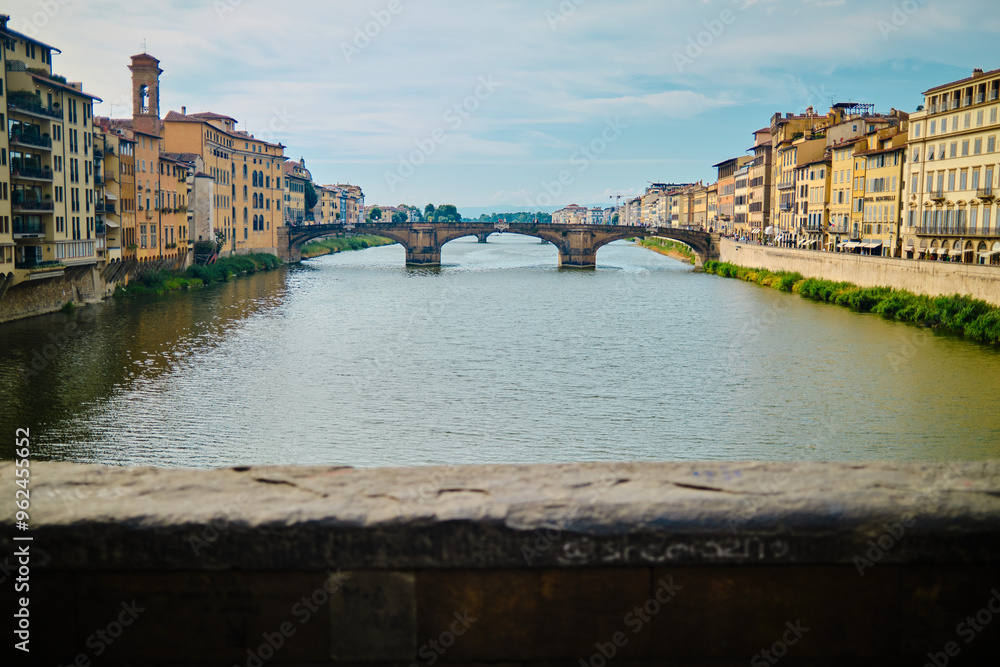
977	74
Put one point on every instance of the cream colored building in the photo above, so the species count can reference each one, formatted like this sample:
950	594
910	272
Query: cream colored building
48	202
571	215
951	175
813	214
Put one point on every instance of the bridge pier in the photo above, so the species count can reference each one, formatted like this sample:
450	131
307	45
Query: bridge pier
484	238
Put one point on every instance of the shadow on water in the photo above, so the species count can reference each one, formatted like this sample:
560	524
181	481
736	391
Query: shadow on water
56	365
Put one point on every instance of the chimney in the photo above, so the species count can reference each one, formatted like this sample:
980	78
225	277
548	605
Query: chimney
184	111
976	73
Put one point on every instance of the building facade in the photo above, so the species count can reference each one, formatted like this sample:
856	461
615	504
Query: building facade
48	197
952	173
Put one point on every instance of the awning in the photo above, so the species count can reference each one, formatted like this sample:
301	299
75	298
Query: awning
110	197
852	245
934	251
810	244
989	253
112	225
769	231
869	245
957	253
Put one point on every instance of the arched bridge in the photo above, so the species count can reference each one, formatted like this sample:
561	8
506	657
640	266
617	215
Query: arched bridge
577	244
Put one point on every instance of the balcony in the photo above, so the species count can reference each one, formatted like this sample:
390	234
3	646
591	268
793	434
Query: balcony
19	172
98	180
100	228
964	230
30	228
109	207
786	186
786	208
980	98
99	207
932	108
936	195
992	95
985	194
32	140
24	106
109	149
33	207
967	101
954	104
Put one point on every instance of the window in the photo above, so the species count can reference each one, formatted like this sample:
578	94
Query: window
991	144
963	180
968	121
916	131
977	147
953	150
933	129
965	148
951	181
979	118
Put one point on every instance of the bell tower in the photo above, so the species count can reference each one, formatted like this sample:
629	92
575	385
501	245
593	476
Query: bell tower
146	93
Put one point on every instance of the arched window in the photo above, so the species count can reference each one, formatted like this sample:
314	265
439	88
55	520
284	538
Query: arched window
244	171
246	216
245	195
267	181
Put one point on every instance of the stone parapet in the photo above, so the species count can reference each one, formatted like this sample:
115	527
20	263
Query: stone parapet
646	563
917	276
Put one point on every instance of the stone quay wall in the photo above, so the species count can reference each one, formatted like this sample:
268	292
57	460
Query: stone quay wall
693	564
917	276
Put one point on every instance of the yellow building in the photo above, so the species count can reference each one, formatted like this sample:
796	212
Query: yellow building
48	218
883	202
759	186
813	214
741	204
951	213
839	228
297	178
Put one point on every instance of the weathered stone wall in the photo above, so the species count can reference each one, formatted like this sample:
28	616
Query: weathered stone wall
39	297
694	564
920	277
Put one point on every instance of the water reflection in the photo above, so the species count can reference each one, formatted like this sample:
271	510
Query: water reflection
497	356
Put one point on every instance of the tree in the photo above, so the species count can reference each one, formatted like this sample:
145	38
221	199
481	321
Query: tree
447	213
429	211
614	219
311	197
400	218
375	214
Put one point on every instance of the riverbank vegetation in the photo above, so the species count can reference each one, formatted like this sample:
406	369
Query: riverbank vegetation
959	315
342	244
673	249
161	282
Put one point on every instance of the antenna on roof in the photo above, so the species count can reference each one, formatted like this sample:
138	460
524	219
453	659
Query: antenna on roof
143	44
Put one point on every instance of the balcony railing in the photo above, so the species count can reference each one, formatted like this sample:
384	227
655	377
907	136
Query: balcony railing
967	101
954	103
932	108
936	195
785	208
993	94
985	193
109	207
956	230
28	227
100	228
837	229
99	207
18	171
33	140
42	206
37	108
98	179
980	98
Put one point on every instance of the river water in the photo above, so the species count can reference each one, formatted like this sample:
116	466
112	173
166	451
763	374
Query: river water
498	357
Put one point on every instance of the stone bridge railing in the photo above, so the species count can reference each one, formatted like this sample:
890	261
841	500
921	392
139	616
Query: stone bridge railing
592	564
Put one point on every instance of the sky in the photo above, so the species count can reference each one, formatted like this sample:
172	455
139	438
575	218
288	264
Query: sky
514	105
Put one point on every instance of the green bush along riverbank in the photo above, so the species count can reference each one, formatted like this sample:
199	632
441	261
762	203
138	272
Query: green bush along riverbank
342	244
161	282
959	315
